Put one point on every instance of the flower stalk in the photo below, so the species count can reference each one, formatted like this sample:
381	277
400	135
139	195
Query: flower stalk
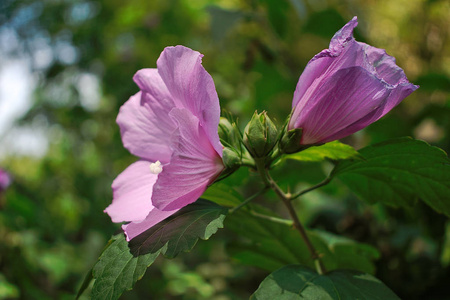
286	198
320	184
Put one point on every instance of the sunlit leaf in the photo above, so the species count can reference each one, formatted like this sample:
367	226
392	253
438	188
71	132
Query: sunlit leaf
222	194
118	270
399	172
333	150
181	232
122	264
297	282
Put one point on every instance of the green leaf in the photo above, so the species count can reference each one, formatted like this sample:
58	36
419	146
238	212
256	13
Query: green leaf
347	253
271	245
222	194
399	172
87	280
122	264
117	270
297	282
181	232
333	150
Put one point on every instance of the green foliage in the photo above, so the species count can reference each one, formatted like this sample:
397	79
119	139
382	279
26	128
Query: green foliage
123	263
271	244
222	194
333	151
297	282
180	232
118	270
51	223
399	172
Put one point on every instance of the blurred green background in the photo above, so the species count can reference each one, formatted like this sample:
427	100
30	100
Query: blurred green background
66	67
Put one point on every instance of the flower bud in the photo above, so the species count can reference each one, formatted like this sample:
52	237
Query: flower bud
260	135
345	88
229	133
231	158
290	141
232	161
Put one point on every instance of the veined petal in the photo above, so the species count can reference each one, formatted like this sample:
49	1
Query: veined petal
343	36
154	217
321	62
145	126
192	88
311	75
339	101
384	65
344	52
194	165
149	81
387	70
396	95
399	93
132	192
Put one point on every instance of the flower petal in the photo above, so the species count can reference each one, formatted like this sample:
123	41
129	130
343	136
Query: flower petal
154	217
192	88
387	70
132	192
344	52
311	75
193	166
340	100
145	126
384	64
342	37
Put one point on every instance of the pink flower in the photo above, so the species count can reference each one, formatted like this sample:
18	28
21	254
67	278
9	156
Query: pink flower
346	88
171	124
5	180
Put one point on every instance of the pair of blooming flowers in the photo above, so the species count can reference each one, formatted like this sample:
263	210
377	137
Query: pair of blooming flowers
171	124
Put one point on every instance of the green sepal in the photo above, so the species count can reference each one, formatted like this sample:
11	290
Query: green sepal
260	135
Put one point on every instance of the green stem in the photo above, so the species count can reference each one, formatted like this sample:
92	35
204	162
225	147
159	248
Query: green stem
325	182
248	161
276	154
246	201
314	255
270	218
286	198
261	168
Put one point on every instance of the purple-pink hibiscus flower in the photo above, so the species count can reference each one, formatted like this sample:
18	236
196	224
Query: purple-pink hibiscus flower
346	88
172	125
5	180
